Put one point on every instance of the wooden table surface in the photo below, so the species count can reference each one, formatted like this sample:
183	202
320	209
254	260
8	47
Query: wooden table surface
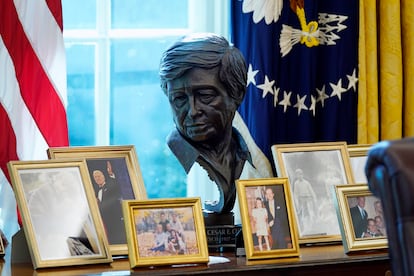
313	260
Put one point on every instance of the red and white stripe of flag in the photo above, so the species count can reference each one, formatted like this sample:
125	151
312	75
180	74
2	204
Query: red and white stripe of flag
32	80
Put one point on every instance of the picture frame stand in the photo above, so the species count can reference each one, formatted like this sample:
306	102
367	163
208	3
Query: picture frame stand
220	232
20	250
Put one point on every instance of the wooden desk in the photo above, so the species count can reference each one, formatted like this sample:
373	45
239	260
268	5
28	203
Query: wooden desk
316	260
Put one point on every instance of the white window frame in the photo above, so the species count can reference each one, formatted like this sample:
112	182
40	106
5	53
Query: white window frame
204	16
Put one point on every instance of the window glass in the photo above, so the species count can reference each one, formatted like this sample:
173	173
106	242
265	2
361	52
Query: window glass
140	113
79	14
133	14
114	96
80	67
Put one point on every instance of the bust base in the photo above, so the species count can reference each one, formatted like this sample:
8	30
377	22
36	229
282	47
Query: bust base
220	231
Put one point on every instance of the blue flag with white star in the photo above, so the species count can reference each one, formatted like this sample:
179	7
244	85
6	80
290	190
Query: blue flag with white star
302	58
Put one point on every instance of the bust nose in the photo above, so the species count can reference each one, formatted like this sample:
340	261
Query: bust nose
193	108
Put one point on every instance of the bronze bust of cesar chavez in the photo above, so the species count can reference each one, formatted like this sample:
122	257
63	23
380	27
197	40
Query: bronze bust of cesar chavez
204	79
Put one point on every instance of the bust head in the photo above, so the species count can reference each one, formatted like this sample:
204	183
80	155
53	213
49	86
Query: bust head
204	78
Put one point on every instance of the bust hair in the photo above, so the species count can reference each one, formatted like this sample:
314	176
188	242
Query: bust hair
205	51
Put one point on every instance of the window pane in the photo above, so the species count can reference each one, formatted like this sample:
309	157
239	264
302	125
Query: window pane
140	114
80	64
79	14
127	14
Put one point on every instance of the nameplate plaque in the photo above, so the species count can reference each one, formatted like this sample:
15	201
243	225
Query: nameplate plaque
222	238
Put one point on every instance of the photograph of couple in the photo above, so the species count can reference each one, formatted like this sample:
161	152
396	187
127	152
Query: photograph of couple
268	217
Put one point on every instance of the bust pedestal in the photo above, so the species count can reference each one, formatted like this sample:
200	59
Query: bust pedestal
221	231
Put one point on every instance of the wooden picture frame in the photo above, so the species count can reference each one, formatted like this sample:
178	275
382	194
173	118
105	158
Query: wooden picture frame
126	184
374	237
358	155
315	168
146	223
268	221
59	213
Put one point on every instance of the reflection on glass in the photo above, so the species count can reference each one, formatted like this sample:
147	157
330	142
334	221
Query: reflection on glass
59	213
358	169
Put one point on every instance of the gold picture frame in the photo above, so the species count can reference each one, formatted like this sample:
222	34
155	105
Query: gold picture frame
358	155
127	184
316	168
268	221
374	237
59	213
2	249
154	242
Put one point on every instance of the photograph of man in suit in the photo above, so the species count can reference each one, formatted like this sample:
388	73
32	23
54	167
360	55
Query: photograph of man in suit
277	217
108	195
359	217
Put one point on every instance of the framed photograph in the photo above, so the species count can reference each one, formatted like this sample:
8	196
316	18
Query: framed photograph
115	176
59	213
2	249
358	155
165	232
313	169
268	220
361	218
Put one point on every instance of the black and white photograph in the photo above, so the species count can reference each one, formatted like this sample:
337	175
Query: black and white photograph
313	171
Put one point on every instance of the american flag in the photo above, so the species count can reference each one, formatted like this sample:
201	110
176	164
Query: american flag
302	58
32	89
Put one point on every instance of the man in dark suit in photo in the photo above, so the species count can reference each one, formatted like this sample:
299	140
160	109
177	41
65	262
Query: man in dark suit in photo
277	218
359	217
108	194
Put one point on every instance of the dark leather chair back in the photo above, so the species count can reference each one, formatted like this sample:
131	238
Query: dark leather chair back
390	173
